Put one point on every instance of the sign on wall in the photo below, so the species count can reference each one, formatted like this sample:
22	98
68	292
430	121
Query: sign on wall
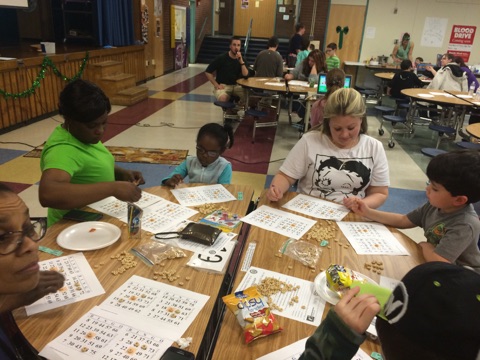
461	41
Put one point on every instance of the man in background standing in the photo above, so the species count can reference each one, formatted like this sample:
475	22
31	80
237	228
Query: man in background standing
295	45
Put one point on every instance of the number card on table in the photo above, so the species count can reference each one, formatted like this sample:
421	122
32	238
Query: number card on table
308	309
199	195
317	208
118	208
279	221
80	283
155	304
371	238
102	335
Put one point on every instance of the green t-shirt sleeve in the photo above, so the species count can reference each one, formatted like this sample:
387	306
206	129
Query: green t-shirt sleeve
61	157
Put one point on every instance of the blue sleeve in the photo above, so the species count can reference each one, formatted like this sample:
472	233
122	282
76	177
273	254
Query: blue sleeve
226	176
180	169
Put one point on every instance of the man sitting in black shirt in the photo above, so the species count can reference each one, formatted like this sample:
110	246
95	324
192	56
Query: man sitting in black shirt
405	79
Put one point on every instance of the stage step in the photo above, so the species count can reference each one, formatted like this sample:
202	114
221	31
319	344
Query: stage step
112	84
120	87
130	96
106	68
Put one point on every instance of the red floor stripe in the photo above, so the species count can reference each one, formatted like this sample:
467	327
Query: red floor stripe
254	157
188	85
128	117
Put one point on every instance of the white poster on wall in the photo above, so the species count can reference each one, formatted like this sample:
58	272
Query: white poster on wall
434	32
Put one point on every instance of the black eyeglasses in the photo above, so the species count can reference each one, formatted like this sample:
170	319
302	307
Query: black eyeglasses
11	241
211	153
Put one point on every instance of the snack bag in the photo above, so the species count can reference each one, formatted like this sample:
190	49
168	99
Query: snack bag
339	278
253	313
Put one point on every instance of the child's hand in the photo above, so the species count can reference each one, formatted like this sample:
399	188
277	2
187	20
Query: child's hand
174	180
274	193
357	311
356	205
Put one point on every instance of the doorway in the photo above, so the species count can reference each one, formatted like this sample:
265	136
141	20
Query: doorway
285	21
225	16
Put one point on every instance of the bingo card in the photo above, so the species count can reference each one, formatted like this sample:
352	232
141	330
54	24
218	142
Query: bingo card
317	208
102	335
199	195
80	283
118	208
163	215
156	304
371	238
278	221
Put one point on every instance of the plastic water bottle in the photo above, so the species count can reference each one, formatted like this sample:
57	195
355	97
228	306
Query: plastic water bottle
477	96
471	90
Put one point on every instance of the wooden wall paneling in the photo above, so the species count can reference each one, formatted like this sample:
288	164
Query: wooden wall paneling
263	18
16	78
352	16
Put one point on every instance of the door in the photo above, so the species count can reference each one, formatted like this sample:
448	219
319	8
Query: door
353	17
225	16
285	21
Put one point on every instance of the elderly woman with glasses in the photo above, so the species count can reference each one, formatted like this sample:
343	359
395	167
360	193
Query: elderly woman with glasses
21	281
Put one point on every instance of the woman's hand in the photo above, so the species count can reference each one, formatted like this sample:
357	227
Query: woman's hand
356	205
127	191
274	193
129	175
357	311
49	282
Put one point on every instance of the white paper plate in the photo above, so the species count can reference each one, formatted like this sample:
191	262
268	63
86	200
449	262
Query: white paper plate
425	95
320	284
89	235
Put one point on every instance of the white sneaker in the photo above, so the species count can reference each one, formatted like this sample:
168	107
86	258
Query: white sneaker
241	113
295	117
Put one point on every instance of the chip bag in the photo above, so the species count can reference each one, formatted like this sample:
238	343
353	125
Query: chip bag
253	313
339	278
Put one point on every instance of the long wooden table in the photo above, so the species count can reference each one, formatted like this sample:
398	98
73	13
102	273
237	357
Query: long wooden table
43	327
230	343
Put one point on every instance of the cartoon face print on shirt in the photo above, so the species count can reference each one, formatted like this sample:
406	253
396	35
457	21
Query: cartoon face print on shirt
335	179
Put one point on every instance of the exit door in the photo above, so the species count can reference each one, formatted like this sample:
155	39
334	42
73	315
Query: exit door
285	21
225	17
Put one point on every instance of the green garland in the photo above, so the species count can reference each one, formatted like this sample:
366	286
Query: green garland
47	62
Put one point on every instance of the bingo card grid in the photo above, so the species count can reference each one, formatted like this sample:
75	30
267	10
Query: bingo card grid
202	195
367	238
317	208
279	221
99	336
153	303
117	208
163	215
75	283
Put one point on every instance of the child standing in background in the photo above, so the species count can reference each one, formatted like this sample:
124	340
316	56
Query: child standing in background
208	166
448	219
333	62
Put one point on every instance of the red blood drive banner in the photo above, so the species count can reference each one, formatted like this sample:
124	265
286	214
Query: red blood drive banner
461	40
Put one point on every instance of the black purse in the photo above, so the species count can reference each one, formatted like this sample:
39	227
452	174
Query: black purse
201	233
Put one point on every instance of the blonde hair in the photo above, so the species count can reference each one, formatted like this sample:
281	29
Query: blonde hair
344	102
